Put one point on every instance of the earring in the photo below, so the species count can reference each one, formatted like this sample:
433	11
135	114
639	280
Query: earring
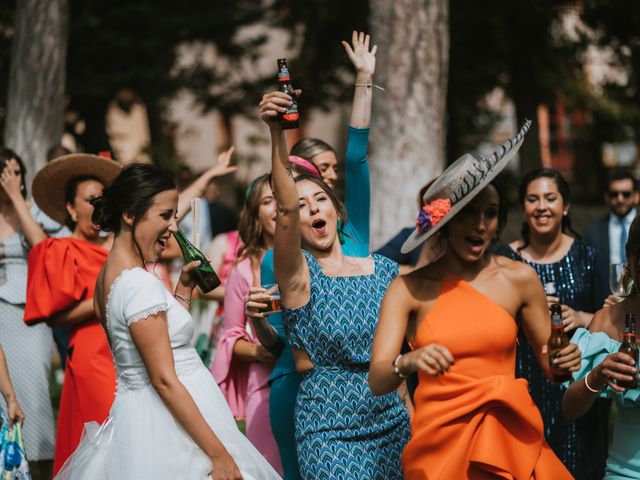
74	217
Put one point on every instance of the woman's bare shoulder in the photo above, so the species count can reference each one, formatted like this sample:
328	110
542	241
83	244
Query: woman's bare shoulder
422	283
604	320
517	272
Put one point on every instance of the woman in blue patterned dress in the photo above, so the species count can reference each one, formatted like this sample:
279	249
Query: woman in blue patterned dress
331	304
284	380
575	269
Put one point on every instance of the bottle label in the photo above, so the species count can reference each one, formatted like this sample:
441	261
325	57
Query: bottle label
290	116
283	75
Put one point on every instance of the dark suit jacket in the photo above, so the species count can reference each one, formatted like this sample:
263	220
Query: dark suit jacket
597	234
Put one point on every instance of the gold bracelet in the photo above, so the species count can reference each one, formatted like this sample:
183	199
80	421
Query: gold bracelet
184	299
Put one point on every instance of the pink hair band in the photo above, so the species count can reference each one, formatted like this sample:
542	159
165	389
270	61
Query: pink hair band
306	164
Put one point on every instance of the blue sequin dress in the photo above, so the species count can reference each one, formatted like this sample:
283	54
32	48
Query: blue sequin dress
581	445
343	432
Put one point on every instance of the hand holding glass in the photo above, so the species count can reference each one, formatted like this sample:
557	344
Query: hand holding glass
273	304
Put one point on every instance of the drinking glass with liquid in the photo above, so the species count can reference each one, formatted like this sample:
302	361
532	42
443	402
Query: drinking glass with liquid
274	304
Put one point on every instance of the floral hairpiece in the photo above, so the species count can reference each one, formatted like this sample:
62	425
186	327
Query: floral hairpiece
431	213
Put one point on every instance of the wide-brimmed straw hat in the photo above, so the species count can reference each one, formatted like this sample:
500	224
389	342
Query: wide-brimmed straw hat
457	186
50	182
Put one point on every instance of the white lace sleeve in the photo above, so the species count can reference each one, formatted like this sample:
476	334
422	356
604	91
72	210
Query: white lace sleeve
144	295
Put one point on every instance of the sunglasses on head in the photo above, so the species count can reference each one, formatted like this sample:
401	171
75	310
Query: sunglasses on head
615	193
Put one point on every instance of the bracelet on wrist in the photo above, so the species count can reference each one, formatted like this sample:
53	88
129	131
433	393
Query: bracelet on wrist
369	85
184	299
396	367
586	383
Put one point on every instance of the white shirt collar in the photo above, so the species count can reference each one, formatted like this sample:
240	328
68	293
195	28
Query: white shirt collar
627	219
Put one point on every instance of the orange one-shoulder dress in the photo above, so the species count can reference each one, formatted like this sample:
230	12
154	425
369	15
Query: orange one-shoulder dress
476	421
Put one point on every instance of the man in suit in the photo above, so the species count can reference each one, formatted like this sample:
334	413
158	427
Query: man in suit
609	234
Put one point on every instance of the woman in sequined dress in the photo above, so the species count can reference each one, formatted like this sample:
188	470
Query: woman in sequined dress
574	267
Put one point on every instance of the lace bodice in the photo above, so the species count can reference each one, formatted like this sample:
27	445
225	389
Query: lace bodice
134	296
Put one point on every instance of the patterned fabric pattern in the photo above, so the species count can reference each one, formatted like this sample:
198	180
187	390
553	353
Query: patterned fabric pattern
342	430
28	349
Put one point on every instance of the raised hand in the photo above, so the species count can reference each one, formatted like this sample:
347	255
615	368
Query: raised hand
222	167
363	59
10	179
273	104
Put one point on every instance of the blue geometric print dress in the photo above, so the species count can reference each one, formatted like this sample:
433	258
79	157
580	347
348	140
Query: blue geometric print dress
343	432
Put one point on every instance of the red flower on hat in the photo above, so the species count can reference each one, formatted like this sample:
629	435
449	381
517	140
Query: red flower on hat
431	213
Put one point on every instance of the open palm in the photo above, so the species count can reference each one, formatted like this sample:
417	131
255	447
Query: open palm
363	59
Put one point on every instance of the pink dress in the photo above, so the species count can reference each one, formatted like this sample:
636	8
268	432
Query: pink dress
244	385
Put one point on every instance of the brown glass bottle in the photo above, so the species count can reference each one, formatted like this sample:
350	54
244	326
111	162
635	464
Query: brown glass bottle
557	342
630	347
291	117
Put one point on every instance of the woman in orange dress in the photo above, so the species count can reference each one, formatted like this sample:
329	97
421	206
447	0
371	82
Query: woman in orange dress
473	419
61	280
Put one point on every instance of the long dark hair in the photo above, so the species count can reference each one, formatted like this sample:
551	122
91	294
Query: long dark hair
250	228
131	192
565	193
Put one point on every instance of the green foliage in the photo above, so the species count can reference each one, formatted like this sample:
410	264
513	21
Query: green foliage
511	45
616	113
322	68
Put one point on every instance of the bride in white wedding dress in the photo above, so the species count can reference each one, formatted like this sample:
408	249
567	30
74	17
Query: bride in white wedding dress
169	419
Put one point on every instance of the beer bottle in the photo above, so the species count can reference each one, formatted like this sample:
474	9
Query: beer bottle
630	347
288	119
204	275
557	341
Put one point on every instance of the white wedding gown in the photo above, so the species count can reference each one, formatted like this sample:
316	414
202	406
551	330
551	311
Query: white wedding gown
141	440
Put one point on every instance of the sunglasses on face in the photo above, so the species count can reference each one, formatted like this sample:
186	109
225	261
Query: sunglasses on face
626	194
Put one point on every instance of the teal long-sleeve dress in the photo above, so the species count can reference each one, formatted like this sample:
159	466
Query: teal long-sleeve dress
284	379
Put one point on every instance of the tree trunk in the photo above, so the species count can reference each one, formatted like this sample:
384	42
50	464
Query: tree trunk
408	124
37	80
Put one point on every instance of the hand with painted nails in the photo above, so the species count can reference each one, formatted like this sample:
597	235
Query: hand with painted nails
616	368
273	104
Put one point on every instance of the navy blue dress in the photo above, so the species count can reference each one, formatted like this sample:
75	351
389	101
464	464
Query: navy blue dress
581	445
343	432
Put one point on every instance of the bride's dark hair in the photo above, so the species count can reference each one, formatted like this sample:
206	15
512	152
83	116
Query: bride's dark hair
131	192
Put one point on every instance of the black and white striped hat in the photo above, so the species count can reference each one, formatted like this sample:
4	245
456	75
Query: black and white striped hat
458	185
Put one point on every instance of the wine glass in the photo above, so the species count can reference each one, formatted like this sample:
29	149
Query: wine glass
619	279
